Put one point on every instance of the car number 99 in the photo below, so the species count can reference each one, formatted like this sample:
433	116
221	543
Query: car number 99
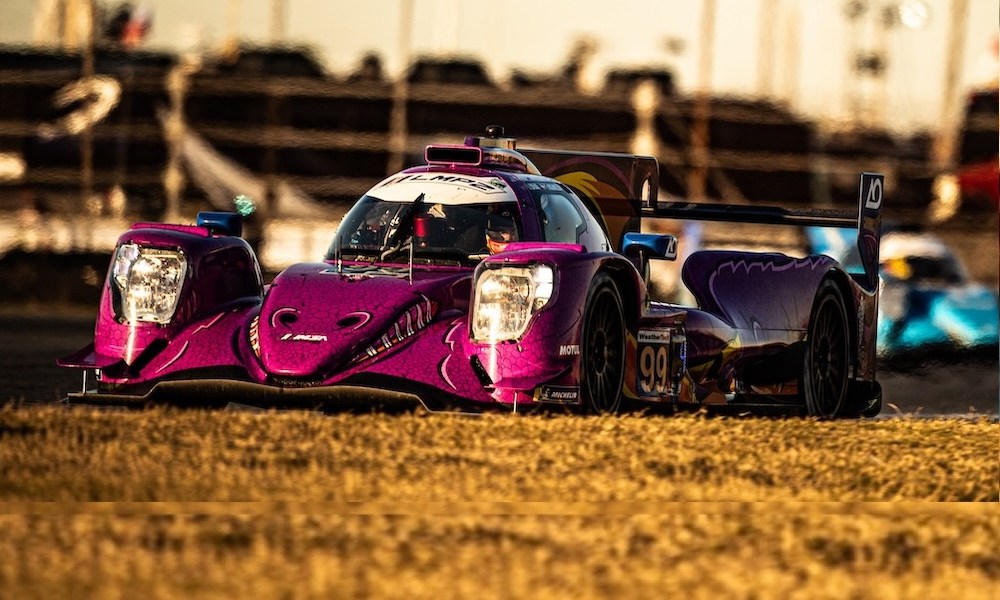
654	363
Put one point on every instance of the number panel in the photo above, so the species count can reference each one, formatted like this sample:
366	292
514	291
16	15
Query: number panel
653	376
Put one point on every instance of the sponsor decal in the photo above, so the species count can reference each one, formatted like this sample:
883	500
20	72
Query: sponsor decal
569	350
557	394
671	248
653	336
873	201
489	186
303	337
544	185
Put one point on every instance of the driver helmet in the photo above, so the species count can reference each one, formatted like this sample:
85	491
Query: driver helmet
500	230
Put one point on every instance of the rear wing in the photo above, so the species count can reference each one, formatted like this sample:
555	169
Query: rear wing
622	188
867	218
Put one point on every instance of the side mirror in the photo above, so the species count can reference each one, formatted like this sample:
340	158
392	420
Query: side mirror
225	223
649	245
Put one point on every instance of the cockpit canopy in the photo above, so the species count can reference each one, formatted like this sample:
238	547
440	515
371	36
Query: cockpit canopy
460	232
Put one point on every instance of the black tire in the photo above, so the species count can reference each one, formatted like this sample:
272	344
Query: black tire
827	365
602	352
874	406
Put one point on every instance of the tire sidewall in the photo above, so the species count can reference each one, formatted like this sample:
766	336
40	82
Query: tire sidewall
827	293
600	285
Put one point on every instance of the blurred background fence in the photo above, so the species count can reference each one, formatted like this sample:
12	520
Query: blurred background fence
275	114
98	133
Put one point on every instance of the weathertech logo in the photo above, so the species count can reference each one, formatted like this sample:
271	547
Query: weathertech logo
653	336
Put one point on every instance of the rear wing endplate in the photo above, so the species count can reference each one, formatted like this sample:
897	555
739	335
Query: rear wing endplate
867	218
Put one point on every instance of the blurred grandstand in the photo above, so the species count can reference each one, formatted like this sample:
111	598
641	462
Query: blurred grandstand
137	134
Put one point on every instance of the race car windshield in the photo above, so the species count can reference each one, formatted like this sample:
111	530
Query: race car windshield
377	229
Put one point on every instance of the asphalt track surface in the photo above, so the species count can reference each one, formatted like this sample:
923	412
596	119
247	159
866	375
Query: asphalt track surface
30	343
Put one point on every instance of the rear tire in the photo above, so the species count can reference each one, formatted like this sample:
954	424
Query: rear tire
602	364
827	364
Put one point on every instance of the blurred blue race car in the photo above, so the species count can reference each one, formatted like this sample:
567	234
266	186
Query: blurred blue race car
928	306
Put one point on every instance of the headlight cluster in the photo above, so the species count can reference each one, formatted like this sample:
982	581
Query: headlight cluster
506	298
149	281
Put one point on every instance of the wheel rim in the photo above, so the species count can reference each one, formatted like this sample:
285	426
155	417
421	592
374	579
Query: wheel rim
828	365
604	353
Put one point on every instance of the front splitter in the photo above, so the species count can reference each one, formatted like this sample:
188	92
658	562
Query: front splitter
218	393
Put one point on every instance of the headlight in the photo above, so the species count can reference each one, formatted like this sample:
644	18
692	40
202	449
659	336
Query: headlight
506	298
149	281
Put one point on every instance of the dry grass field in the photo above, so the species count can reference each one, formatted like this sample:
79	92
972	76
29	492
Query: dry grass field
57	454
193	504
801	551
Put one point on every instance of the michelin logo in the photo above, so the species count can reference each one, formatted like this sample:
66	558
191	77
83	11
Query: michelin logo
558	394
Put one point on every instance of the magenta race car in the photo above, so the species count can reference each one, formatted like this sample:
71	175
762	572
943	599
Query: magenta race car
492	278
